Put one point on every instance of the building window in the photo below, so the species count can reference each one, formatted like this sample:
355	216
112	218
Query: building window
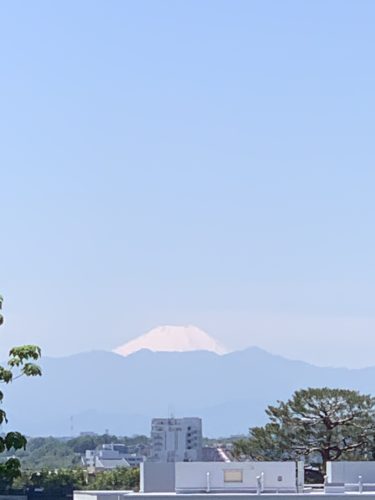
233	476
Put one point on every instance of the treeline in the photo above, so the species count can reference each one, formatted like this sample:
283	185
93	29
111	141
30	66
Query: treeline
54	453
60	483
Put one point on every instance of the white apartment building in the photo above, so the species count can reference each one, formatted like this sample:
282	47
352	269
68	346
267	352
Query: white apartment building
176	439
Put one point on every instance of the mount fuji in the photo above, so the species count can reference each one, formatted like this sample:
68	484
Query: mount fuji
173	339
179	369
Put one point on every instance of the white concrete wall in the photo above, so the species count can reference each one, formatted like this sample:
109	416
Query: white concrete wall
100	495
348	472
192	476
156	477
117	495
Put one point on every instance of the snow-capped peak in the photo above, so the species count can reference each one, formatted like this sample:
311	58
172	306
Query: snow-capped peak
173	338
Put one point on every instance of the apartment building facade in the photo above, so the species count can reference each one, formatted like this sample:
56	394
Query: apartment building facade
176	439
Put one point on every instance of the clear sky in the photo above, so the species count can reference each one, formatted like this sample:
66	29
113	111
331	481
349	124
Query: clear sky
189	162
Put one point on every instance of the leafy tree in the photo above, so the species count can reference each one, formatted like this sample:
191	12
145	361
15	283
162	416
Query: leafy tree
9	471
326	423
82	443
264	443
118	479
62	482
53	453
20	363
58	482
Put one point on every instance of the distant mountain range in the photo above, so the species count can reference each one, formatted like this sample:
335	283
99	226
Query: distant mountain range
95	391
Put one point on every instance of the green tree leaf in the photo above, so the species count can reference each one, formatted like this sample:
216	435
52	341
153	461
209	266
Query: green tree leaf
18	365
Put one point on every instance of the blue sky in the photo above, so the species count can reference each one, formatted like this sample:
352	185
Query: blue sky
189	162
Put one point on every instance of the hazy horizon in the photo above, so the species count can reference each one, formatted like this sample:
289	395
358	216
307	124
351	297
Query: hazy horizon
205	163
326	360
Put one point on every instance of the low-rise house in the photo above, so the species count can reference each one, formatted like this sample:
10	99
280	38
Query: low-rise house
110	456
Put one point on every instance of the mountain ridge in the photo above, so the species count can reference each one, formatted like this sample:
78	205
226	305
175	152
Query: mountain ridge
101	390
252	348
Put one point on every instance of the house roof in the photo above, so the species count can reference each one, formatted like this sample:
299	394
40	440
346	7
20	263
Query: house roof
111	463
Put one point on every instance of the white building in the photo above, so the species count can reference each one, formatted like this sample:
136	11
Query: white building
345	476
349	472
231	477
110	456
176	439
221	477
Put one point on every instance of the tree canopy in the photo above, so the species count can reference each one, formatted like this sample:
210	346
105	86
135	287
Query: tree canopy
54	453
20	363
321	424
62	482
117	479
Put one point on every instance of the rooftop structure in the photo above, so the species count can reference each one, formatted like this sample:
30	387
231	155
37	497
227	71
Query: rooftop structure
223	481
221	477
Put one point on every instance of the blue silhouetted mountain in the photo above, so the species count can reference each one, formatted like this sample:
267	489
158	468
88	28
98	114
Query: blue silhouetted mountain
103	390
